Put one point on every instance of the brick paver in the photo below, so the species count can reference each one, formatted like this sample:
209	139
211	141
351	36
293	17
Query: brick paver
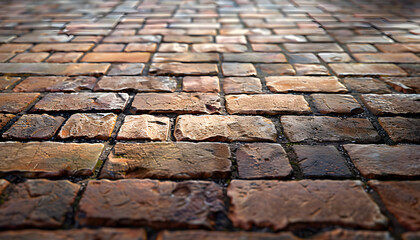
233	119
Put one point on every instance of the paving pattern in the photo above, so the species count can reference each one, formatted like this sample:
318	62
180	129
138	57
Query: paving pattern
210	119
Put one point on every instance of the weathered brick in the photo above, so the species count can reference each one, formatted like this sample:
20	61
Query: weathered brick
321	161
303	58
30	204
401	129
364	39
404	84
89	125
64	57
177	160
34	127
201	84
55	84
335	57
286	84
336	103
150	203
313	47
6	82
218	47
285	204
5	118
16	102
392	104
81	234
398	47
188	39
254	57
180	69
277	69
375	161
29	57
410	235
33	38
141	47
355	69
134	39
311	69
109	48
276	39
186	57
54	68
176	103
402	200
14	47
173	47
55	102
128	69
256	47
231	39
238	69
137	84
267	104
224	128
361	47
262	160
366	85
135	57
144	127
325	129
62	47
242	85
6	56
387	57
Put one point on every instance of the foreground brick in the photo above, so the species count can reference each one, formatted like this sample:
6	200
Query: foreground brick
374	161
401	129
262	160
30	204
54	68
336	103
150	203
54	102
404	84
16	102
89	125
321	161
402	200
55	159
328	129
392	104
34	126
224	128
181	69
81	234
177	160
55	84
267	104
5	118
176	103
146	127
355	69
284	84
137	84
136	57
286	204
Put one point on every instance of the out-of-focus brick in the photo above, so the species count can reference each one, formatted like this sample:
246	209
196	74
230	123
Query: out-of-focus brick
186	57
361	69
55	84
238	69
180	69
218	47
255	57
366	85
242	85
29	57
54	68
81	234
135	57
284	84
137	84
6	82
201	84
64	57
404	84
62	47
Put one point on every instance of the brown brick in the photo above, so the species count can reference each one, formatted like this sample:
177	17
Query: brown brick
303	58
375	161
55	159
176	103
355	69
201	84
81	234
366	85
218	47
313	47
188	39
6	81
398	47
173	47
54	68
6	56
401	129
5	118
311	69
238	69
55	84
89	125
321	161
364	39
404	84
137	84
219	235
34	127
29	57
387	57
180	69
144	127
94	39
277	69
30	204
336	103
62	47
231	39
16	102
326	129
255	57
136	57
262	160
352	235
243	31
276	39
14	47
141	47
132	39
242	85
286	84
410	236
265	48
392	104
224	128
3	185
267	104
179	160
54	102
64	57
362	47
402	200
335	57
150	203
42	38
285	204
128	69
186	57
109	48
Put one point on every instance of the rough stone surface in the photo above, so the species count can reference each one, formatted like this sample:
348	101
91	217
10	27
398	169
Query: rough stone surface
375	161
137	84
89	125
179	160
336	103
16	102
267	104
38	203
55	159
232	85
392	104
146	127
402	199
401	129
34	126
328	129
224	128
150	203
284	84
55	84
286	204
176	103
262	160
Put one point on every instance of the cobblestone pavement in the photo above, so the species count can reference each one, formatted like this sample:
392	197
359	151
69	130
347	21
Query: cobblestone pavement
210	119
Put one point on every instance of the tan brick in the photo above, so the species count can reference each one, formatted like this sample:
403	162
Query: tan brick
62	47
146	127
238	69
201	84
54	68
55	84
117	57
286	84
89	125
361	69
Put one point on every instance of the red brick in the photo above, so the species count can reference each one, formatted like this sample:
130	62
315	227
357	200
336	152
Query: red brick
54	68
89	125
81	234
392	104
64	57
55	84
16	102
116	57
